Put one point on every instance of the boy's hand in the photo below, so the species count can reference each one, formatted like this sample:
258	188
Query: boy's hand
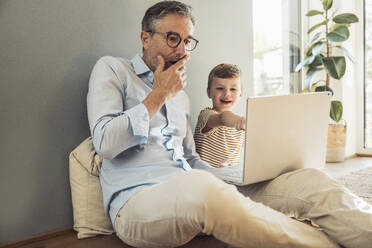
224	164
171	80
230	119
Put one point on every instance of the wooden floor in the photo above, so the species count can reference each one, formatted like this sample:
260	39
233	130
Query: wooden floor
68	239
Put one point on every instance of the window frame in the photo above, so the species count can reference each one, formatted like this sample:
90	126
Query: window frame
361	83
291	22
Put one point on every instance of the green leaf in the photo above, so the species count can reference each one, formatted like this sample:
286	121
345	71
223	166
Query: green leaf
318	47
336	111
324	88
335	66
314	12
317	61
313	87
346	18
317	26
309	74
315	37
334	26
347	53
305	62
340	33
309	51
327	4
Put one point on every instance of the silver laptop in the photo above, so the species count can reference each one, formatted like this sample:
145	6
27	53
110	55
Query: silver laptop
283	133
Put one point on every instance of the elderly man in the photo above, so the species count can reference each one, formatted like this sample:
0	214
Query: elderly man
154	187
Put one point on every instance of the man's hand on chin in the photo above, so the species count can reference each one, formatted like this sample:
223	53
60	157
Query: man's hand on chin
167	83
170	80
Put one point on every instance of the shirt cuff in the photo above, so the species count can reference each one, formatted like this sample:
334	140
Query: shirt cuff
139	120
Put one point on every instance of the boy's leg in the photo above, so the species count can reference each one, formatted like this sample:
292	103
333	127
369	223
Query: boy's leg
172	213
311	194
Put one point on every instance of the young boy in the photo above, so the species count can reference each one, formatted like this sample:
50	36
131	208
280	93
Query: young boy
219	133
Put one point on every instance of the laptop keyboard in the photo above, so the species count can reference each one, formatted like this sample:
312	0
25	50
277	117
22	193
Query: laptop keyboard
233	173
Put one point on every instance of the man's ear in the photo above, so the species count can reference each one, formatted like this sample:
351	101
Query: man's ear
145	38
209	93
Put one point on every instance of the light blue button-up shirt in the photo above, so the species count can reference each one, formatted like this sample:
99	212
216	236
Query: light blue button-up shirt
137	152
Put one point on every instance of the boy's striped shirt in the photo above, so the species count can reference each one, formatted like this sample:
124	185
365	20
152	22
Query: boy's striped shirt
219	144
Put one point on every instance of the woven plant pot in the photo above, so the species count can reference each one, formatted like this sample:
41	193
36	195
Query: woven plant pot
336	142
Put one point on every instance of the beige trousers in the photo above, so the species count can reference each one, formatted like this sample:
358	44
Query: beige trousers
172	213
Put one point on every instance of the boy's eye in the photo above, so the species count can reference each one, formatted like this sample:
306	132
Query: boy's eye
219	88
233	89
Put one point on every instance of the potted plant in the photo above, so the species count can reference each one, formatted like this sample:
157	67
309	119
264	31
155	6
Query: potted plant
332	31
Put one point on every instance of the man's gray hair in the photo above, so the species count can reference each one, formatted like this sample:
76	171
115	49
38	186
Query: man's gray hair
161	9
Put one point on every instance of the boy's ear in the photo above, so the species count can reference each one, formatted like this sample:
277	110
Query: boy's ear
208	93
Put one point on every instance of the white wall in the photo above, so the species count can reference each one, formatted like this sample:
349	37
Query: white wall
225	33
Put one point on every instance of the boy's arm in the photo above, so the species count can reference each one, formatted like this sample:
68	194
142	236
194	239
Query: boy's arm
226	118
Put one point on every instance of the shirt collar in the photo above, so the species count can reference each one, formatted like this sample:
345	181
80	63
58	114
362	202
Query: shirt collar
139	65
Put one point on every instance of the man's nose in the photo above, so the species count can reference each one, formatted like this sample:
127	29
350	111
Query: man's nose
181	48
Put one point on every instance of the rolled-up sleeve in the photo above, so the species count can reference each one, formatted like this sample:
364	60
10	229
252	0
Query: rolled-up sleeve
113	128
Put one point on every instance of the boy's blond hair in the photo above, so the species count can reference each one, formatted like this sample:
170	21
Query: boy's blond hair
224	71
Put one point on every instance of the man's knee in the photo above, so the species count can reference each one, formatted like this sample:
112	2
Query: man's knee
203	180
205	189
312	185
318	179
310	177
304	184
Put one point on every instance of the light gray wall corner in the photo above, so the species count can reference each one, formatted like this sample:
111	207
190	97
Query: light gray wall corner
47	51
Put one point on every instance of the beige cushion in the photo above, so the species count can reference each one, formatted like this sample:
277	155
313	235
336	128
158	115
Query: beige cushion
87	202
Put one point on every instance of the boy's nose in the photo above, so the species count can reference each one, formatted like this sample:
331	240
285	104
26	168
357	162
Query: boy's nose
227	93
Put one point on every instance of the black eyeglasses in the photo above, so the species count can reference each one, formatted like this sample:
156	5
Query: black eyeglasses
174	39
